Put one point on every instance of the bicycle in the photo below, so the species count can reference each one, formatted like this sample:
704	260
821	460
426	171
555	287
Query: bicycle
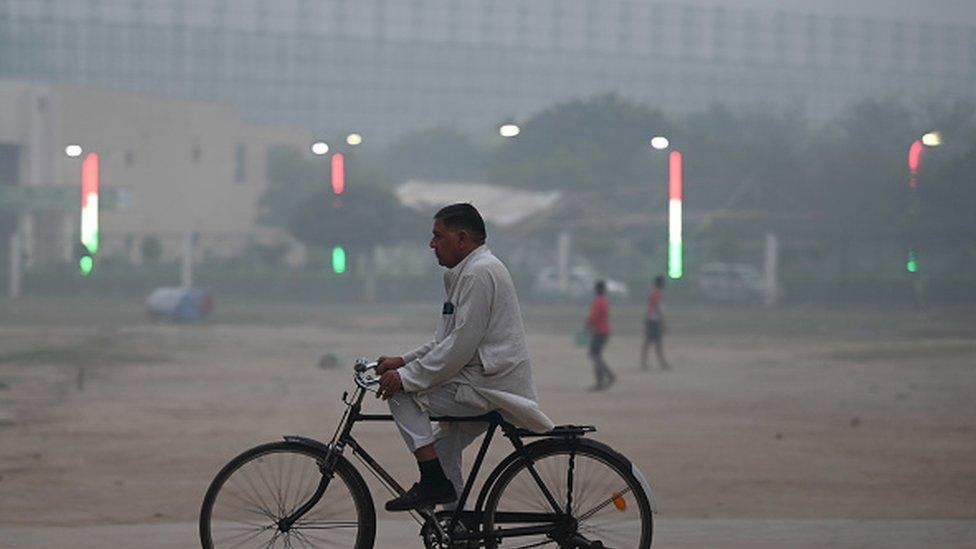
562	490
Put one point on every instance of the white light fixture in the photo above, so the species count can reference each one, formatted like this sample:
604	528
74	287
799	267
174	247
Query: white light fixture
319	148
74	151
932	139
660	142
354	139
509	130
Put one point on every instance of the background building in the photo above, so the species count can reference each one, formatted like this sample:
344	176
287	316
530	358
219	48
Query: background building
383	67
175	167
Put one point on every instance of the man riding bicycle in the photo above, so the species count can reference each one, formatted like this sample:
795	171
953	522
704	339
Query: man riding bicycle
478	361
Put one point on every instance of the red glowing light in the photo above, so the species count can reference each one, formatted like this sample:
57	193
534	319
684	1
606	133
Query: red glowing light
914	161
338	173
674	176
89	178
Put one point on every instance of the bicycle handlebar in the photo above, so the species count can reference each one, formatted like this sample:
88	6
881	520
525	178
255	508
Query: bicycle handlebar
364	364
363	379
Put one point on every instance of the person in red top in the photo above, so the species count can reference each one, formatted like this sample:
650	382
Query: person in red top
654	326
598	323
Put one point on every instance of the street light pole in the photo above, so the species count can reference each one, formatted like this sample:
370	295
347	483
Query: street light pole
675	198
915	150
675	266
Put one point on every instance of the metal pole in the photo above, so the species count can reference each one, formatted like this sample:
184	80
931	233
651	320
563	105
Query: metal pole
186	271
15	268
562	258
771	270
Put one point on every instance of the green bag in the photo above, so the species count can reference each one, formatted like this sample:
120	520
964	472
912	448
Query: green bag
582	338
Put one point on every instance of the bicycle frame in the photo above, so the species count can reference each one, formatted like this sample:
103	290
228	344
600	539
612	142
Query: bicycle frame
559	520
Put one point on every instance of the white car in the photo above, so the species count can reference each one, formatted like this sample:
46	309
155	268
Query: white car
730	282
579	284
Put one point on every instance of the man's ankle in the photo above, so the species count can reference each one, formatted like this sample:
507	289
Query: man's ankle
431	472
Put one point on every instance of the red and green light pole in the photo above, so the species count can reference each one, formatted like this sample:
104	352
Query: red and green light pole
338	186
915	150
337	165
675	267
89	213
675	198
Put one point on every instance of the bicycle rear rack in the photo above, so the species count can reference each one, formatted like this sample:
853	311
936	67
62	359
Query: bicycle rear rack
560	431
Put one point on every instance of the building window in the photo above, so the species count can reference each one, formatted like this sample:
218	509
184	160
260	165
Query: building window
240	161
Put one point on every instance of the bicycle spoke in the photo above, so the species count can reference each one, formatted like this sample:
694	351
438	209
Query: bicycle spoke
275	492
602	504
273	539
246	539
314	537
257	494
256	510
302	539
600	498
271	486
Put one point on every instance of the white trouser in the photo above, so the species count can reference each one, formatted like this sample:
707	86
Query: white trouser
449	439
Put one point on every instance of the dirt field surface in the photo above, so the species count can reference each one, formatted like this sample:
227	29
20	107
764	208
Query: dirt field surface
795	428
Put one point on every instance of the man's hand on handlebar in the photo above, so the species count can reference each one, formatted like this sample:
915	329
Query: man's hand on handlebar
390	384
388	363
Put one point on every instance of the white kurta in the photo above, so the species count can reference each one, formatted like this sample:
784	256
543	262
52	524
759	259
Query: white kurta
479	344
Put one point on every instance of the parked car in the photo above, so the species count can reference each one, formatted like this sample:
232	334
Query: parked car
179	304
579	284
730	282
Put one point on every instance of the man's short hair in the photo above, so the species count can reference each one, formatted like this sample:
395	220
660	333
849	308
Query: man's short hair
463	216
600	287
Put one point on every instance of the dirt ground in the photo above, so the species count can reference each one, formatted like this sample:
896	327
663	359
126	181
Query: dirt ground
775	429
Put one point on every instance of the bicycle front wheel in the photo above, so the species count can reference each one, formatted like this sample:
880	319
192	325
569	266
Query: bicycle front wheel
606	503
251	495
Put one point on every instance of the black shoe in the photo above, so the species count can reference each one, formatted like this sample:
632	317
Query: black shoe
423	496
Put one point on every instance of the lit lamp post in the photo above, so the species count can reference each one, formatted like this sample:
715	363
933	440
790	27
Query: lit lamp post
354	139
931	139
337	179
675	198
320	148
509	130
89	207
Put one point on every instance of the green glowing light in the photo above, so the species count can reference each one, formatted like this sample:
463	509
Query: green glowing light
674	260
912	264
85	265
338	260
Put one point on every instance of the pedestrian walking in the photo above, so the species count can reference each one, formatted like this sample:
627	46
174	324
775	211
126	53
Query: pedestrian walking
598	323
654	326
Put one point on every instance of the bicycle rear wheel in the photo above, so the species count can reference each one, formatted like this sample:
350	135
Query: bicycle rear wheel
608	503
256	490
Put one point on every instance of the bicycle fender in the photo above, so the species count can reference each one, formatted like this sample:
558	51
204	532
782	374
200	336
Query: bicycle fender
310	442
644	484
